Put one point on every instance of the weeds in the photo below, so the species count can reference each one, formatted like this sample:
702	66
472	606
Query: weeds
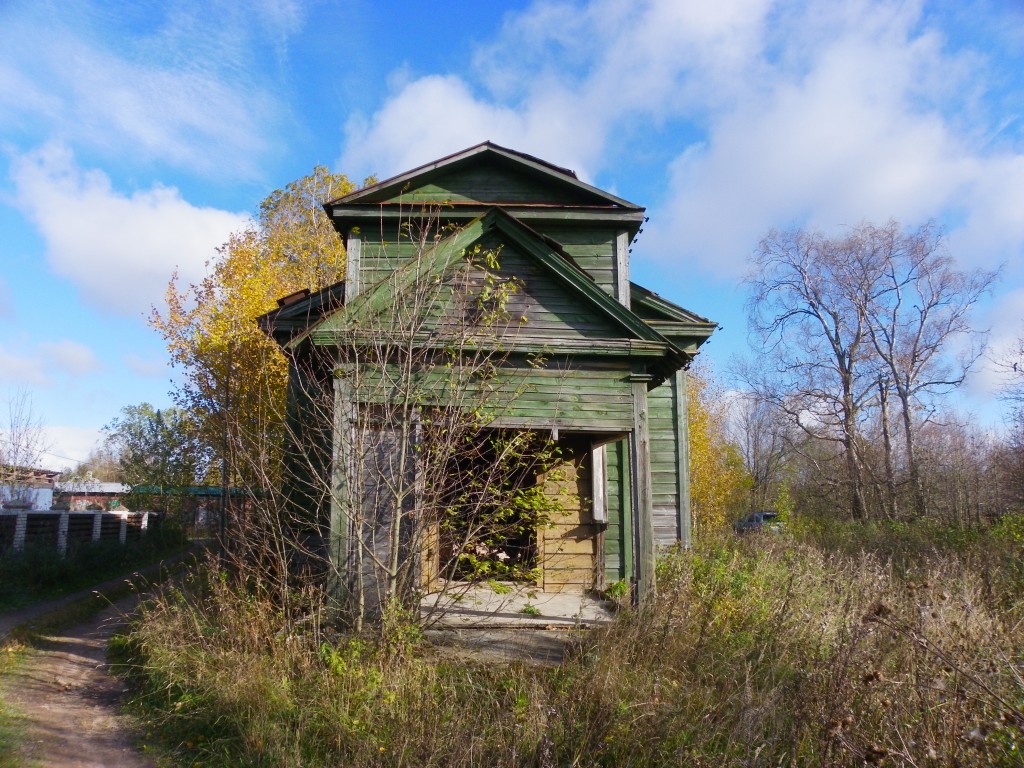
41	572
762	651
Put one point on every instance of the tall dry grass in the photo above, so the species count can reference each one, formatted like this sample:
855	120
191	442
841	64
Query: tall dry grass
764	651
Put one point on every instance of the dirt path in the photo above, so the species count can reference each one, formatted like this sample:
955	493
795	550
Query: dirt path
67	703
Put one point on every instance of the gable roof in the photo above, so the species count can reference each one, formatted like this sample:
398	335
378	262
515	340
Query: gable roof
385	191
638	338
465	184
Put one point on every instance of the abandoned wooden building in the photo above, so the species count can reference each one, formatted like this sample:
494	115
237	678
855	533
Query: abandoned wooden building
597	363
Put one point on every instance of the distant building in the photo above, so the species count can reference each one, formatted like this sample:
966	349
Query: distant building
27	485
80	495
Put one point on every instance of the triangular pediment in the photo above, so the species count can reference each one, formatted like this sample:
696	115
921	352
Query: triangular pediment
487	175
549	303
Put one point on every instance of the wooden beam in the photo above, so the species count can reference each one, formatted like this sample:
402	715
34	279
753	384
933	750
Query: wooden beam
643	497
341	494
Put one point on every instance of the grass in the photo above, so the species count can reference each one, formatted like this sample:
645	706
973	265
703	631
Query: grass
761	651
40	573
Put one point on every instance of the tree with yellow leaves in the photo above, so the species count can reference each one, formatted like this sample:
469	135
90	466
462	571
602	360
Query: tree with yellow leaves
235	376
718	480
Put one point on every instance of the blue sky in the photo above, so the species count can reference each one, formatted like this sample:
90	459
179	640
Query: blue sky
135	136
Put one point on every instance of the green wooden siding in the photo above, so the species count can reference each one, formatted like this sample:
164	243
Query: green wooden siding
539	308
592	247
618	537
664	463
549	309
378	260
580	399
495	183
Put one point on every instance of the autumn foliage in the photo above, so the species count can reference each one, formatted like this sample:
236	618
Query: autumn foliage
718	479
234	376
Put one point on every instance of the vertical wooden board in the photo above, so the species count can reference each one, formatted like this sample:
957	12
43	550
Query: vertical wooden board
353	266
643	512
622	290
599	483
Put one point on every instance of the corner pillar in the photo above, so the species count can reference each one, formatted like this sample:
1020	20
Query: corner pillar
642	493
683	457
340	511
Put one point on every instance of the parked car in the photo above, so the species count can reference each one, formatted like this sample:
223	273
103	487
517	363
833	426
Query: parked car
764	520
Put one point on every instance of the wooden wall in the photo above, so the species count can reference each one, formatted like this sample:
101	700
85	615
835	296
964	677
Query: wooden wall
665	437
569	547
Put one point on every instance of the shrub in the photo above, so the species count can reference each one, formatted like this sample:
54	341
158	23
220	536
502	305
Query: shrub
756	651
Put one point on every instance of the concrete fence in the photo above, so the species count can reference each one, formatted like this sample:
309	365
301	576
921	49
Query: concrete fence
59	529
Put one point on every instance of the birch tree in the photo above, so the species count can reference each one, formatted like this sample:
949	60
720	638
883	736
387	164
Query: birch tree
918	318
813	344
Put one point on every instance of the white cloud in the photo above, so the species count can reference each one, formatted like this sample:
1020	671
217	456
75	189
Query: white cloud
550	95
69	357
120	250
21	370
774	114
185	92
68	446
37	364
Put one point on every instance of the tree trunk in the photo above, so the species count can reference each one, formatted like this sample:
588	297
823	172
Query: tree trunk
920	506
892	505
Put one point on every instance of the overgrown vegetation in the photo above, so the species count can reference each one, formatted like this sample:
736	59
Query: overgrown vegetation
42	573
763	650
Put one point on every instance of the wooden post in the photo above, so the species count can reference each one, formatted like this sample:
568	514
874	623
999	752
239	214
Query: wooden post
338	534
683	457
97	526
643	497
122	533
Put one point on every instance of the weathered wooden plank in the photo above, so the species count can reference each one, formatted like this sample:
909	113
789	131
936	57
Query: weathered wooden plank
598	484
568	544
640	471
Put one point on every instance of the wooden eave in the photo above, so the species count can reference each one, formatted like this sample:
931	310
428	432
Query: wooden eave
686	329
666	309
369	217
292	319
384	191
